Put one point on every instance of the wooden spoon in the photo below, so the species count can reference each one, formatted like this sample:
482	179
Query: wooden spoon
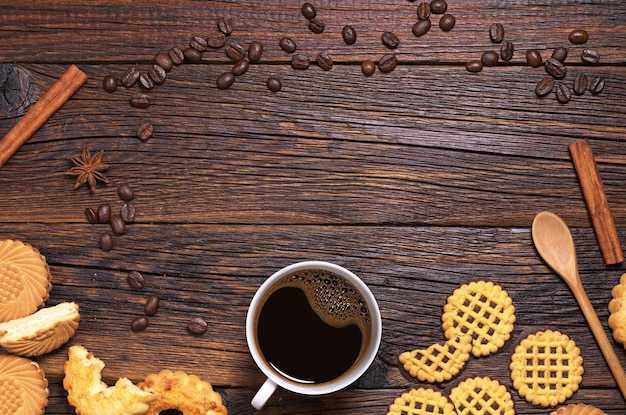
554	243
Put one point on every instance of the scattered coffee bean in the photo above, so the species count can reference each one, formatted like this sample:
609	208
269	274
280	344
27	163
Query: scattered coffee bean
224	26
423	11
387	63
316	25
164	61
109	84
130	77
544	86
490	58
152	305
348	34
104	213
438	6
198	43
192	55
447	22
118	226
145	81
580	83
560	54
421	27
135	280
533	57
555	68
197	326
145	131
390	40
590	56
506	51
324	61
578	36
274	83
368	67
176	55
157	74
563	94
255	51
106	242
474	66
125	192
288	44
235	51
139	323
91	215
496	32
225	80
140	101
597	85
216	40
308	11
127	212
300	61
240	67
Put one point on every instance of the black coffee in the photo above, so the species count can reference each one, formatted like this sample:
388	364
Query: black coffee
313	326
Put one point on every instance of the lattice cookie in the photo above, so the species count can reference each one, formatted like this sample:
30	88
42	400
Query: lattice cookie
439	362
421	401
578	409
617	308
483	310
482	396
546	368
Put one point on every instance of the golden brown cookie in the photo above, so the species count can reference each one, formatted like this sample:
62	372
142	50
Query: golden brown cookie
439	362
24	279
41	332
421	401
578	409
90	396
182	392
546	368
23	386
483	310
617	308
482	396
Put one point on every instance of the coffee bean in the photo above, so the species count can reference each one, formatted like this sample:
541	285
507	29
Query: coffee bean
288	44
130	77
240	67
235	51
590	56
563	94
145	81
157	74
125	192
348	34
300	61
118	226
421	27
368	67
390	40
140	101
316	25
136	280
176	55
104	213
533	57
255	51
274	83
224	26
490	58
139	323
423	11
91	215
109	84
474	66
197	326
152	305
438	6
145	131
447	22
580	83
544	86
106	242
308	11
192	55
216	40
127	212
578	36
164	61
496	32
506	51
225	80
597	85
198	43
555	68
324	61
387	63
560	54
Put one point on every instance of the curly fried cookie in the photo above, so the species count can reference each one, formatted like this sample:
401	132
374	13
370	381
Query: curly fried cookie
483	310
578	409
482	396
617	308
439	362
421	401
23	386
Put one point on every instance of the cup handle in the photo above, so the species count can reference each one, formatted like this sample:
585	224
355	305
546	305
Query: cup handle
263	394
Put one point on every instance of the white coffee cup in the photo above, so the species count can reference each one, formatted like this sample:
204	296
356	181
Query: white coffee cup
274	377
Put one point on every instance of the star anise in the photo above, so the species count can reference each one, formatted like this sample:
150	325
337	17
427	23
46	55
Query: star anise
89	169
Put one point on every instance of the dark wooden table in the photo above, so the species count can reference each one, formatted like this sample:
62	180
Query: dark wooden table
418	180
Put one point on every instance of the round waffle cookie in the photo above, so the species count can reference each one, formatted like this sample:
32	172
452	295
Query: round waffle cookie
617	308
439	362
578	409
483	310
482	396
546	368
421	401
24	279
23	386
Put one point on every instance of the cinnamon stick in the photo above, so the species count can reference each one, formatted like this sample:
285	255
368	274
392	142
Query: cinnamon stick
39	113
597	203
